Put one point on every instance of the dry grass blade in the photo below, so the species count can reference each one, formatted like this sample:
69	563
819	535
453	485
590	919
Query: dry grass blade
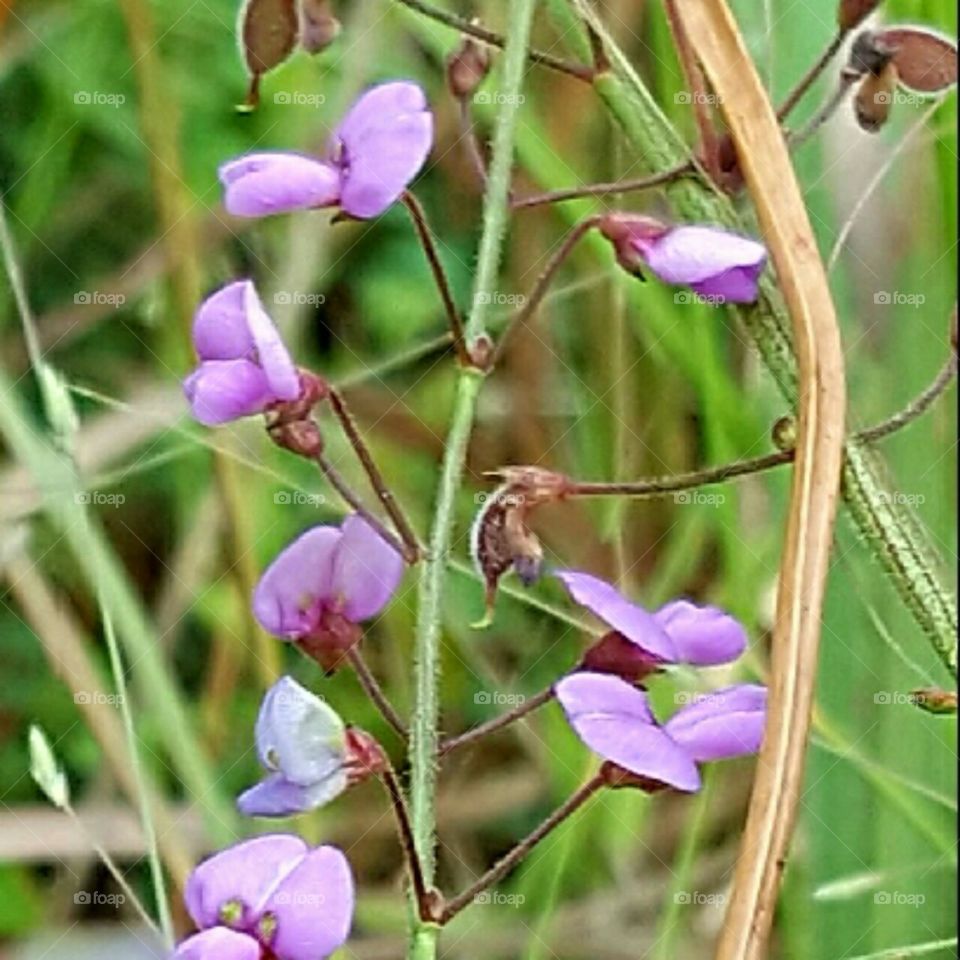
786	228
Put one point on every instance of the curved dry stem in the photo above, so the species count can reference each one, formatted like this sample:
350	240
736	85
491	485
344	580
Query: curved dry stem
786	228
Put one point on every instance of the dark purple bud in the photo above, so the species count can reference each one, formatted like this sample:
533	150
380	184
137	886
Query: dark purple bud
614	653
268	34
333	637
467	68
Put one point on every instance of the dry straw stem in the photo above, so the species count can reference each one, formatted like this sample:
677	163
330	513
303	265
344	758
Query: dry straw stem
786	229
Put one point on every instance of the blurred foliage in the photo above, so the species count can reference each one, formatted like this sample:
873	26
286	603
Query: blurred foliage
115	118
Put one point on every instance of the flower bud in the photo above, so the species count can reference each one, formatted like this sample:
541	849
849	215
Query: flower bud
935	700
467	68
851	13
614	653
318	26
268	33
364	758
874	98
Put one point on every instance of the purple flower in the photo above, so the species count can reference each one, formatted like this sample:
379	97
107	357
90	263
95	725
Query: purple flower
272	892
679	632
378	148
302	742
324	583
613	719
717	265
244	366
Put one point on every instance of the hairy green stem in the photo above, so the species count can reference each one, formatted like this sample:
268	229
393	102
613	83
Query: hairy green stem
884	520
423	728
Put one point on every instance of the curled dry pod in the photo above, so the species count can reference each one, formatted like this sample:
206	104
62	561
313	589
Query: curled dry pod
268	31
926	61
868	54
851	13
874	98
318	26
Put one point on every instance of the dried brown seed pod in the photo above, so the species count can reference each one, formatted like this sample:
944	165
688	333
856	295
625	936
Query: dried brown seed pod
268	31
318	26
925	60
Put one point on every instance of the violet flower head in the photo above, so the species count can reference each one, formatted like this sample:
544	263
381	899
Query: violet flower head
244	365
679	632
719	266
271	893
325	583
375	152
613	718
302	743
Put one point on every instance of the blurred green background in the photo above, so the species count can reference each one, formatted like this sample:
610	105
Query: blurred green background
115	116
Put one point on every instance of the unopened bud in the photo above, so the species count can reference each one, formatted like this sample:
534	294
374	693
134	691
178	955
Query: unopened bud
467	68
629	233
613	653
784	433
268	33
935	700
289	422
318	26
364	756
874	99
851	13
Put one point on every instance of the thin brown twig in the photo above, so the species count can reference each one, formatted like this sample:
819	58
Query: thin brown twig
375	692
410	548
528	705
503	866
542	283
468	134
605	189
424	234
578	70
810	77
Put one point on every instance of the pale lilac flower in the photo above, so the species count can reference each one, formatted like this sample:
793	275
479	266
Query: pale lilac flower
613	718
325	583
302	742
718	265
244	365
679	632
375	152
273	892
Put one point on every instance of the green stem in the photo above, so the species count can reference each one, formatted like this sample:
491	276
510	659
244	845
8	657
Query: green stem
423	728
885	521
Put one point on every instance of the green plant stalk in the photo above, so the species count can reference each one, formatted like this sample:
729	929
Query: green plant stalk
890	529
423	729
146	815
